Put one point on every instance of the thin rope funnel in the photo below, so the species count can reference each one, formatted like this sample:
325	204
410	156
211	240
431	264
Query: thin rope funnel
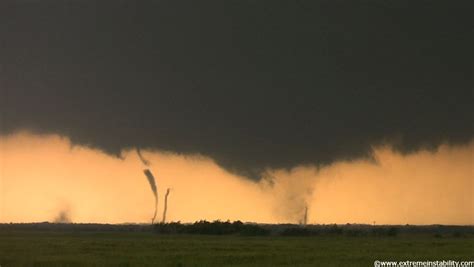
305	218
166	206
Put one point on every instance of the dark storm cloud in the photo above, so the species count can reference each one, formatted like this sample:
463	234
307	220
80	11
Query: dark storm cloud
252	84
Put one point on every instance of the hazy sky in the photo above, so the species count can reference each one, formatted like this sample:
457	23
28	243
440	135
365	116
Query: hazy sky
262	91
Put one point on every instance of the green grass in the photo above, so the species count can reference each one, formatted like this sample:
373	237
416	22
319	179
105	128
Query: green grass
34	248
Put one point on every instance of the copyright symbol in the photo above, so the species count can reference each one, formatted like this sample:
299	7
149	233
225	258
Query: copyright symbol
376	263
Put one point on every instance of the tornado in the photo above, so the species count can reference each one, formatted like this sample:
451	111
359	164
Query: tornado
166	206
151	180
305	217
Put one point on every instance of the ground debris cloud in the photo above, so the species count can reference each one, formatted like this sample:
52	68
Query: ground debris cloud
63	216
292	191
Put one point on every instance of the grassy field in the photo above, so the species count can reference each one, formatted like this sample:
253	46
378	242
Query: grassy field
35	248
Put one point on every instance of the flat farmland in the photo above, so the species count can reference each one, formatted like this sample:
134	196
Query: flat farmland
50	248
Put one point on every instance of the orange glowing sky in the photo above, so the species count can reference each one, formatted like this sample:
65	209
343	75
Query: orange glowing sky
42	175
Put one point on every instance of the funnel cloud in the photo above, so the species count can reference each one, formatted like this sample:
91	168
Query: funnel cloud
142	159
151	180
